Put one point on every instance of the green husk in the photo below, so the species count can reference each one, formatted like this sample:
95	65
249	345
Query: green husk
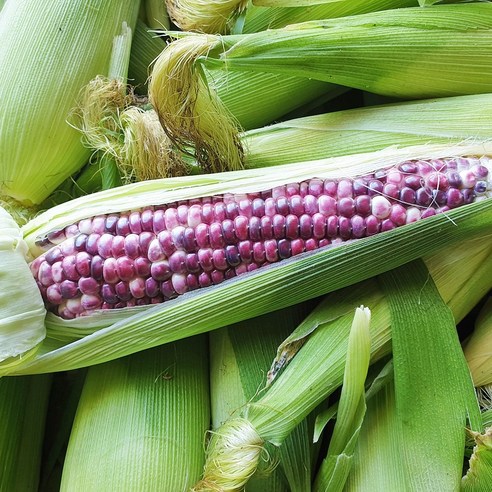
335	468
65	394
434	393
107	335
444	120
377	460
22	325
141	422
146	47
156	14
445	48
296	391
225	16
49	43
23	404
264	15
240	357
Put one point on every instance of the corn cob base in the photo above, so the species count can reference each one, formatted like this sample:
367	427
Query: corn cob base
155	254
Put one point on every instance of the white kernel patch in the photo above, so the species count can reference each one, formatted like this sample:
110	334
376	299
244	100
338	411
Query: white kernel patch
380	207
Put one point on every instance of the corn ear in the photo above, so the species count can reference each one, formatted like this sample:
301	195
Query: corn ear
125	331
409	46
273	416
255	99
23	404
477	348
225	16
22	322
265	14
240	357
146	431
325	45
73	45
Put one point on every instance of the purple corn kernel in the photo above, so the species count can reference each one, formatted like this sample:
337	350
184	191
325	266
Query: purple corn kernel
110	273
123	226
88	285
110	225
57	272
158	253
118	246
69	289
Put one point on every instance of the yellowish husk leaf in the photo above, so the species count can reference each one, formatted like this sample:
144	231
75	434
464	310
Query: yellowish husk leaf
478	349
22	321
479	476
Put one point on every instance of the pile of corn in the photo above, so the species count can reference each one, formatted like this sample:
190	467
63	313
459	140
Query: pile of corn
246	245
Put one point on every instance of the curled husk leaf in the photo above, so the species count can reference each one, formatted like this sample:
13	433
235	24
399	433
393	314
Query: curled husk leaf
22	323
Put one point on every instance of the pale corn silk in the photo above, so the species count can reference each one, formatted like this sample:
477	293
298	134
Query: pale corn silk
155	254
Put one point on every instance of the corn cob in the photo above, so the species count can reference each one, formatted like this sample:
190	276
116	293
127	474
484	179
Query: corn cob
158	253
109	334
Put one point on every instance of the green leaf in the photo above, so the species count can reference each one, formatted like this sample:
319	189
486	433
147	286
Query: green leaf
336	466
141	422
377	459
433	388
